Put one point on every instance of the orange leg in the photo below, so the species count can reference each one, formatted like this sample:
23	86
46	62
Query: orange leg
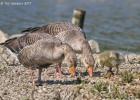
90	71
72	71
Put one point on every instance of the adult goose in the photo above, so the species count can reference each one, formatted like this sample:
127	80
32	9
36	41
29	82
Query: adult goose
18	43
45	52
72	35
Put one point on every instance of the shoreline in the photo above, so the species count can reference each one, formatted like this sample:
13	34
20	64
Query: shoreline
15	81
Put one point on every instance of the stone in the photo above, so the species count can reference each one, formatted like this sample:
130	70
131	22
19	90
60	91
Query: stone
15	35
8	57
94	46
3	36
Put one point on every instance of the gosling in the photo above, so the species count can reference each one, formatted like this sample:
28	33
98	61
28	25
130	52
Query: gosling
109	59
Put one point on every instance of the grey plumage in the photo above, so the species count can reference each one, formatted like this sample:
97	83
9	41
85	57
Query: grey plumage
66	32
18	43
45	52
33	34
54	28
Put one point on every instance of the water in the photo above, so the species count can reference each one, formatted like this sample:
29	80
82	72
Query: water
115	24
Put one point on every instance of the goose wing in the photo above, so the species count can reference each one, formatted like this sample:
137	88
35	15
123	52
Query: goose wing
18	43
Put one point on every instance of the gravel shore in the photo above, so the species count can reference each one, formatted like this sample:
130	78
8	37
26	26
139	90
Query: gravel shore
15	84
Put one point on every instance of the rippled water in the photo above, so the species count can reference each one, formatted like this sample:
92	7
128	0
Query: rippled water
115	24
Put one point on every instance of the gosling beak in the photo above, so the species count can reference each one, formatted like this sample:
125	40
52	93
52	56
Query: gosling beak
90	71
72	70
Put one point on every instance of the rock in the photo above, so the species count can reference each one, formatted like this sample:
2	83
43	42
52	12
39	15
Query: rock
82	90
132	58
15	35
3	36
94	46
7	56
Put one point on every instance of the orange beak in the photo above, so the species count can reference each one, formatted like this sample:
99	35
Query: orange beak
72	70
90	71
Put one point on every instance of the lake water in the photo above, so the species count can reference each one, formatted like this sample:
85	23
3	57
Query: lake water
115	24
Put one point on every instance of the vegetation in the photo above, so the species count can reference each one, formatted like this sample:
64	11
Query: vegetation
99	87
127	77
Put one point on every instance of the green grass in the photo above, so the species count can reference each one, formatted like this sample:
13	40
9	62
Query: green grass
99	87
127	77
116	93
104	90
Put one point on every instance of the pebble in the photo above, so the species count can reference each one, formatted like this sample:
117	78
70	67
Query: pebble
15	86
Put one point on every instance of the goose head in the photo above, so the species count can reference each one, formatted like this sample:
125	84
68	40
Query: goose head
87	58
70	58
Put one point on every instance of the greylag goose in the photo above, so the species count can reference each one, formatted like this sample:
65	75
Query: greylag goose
72	35
18	43
45	52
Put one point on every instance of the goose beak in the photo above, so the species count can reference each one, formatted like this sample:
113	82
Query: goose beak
90	71
72	70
